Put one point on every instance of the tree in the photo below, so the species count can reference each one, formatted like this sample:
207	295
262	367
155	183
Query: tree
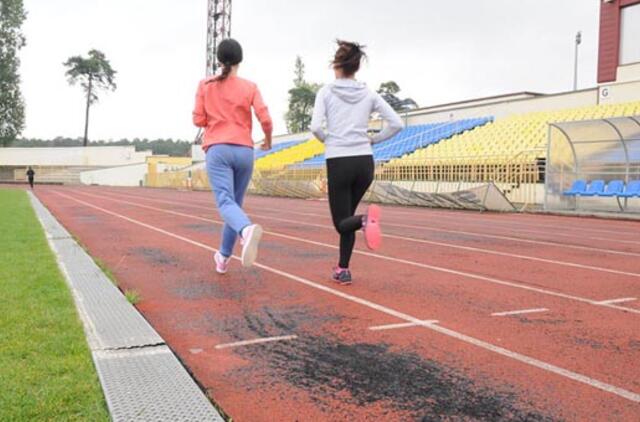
389	90
301	100
93	73
12	15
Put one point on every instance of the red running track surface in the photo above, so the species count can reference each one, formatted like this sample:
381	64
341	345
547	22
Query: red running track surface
574	356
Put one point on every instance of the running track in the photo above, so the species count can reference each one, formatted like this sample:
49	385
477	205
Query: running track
460	316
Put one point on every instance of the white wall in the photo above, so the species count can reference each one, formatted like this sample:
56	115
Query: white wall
509	107
629	73
72	156
620	92
131	175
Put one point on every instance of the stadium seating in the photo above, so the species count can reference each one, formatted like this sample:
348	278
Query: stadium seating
579	187
522	137
632	190
615	188
259	153
596	188
291	155
411	139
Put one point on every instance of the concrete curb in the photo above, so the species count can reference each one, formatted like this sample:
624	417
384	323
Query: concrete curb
141	378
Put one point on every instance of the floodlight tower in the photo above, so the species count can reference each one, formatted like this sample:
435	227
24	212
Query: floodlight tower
218	29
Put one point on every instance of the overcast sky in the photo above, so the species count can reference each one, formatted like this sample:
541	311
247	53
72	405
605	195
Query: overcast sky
437	51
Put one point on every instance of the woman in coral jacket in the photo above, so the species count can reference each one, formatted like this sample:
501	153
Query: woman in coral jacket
223	108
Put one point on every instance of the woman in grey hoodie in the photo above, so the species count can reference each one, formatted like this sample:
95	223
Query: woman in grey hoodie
341	120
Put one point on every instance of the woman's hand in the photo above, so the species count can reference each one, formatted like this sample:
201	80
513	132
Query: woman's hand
266	145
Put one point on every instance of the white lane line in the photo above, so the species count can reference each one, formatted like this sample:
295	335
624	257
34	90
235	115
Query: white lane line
390	259
466	233
629	395
403	325
255	341
613	301
411	239
510	223
621	392
494	236
504	221
521	312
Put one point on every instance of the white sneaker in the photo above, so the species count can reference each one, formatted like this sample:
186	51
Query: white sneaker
222	263
251	236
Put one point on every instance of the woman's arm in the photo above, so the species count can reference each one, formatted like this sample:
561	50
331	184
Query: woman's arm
394	122
262	113
199	112
319	116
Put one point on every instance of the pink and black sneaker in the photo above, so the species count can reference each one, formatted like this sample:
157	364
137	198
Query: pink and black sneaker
342	276
371	227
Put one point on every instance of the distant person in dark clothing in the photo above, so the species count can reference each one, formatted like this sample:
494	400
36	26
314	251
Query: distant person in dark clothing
31	175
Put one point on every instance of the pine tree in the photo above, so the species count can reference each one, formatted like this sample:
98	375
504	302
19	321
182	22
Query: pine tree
12	15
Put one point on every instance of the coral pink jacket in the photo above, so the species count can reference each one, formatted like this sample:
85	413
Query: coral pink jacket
223	109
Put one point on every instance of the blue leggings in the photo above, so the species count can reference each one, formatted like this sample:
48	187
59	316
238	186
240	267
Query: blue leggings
230	168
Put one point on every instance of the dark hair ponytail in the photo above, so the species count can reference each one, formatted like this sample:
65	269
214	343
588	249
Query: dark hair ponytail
226	71
229	55
348	57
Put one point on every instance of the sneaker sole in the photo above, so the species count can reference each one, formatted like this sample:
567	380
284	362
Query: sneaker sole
372	232
343	283
250	250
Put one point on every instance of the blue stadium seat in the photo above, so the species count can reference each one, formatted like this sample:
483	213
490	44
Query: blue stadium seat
411	139
614	188
633	189
596	187
579	188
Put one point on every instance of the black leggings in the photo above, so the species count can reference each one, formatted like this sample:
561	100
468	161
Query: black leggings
349	178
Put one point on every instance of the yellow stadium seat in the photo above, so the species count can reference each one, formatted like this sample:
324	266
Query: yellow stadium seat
522	135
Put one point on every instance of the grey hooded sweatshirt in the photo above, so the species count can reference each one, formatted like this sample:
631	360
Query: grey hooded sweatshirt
345	105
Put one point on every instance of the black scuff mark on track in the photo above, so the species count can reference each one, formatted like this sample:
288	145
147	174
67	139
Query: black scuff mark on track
365	374
155	256
295	252
237	285
265	321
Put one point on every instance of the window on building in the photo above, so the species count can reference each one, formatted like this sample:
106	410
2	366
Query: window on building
630	35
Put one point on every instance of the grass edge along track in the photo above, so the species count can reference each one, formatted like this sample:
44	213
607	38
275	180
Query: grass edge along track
46	371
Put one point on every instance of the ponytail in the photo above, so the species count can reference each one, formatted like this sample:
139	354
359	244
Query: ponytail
226	71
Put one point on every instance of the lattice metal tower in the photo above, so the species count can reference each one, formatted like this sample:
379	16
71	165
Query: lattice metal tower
218	28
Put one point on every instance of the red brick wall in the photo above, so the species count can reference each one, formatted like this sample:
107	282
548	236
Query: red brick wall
609	50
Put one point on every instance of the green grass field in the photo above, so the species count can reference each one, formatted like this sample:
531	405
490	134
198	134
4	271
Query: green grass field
46	372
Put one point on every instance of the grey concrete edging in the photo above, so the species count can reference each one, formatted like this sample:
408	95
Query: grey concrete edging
141	378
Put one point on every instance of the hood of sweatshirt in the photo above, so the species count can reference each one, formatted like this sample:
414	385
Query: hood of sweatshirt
350	91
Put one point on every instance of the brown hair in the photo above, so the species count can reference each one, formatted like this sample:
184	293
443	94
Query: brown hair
348	57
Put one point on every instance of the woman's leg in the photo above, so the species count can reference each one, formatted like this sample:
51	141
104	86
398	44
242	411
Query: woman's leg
363	179
242	172
349	178
340	181
221	169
